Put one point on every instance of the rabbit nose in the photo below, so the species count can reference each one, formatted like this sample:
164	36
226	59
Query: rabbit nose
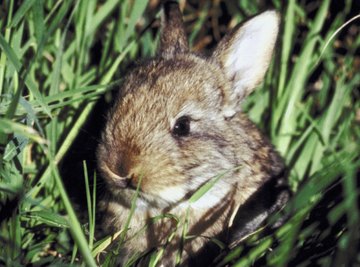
133	182
124	179
123	170
128	180
127	171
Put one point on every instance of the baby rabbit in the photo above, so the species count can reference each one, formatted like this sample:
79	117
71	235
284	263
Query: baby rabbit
177	125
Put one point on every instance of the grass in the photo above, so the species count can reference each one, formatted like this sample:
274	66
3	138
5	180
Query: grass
60	59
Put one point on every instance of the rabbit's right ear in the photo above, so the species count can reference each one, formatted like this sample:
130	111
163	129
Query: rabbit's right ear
245	55
173	38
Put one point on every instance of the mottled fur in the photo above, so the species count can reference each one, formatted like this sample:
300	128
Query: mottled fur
138	143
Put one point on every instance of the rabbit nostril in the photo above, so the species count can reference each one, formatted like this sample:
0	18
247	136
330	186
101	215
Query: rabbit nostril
133	182
131	185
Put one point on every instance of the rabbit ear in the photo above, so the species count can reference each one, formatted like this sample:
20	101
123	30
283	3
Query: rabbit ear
173	38
245	56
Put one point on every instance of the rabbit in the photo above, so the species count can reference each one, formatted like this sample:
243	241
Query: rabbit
175	126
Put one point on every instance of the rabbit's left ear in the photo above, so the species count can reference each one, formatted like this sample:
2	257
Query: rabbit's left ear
173	38
245	55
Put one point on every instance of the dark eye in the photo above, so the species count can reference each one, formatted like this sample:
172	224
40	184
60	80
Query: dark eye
182	126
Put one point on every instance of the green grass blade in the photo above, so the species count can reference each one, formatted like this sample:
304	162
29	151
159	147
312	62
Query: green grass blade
75	226
39	25
10	127
21	12
137	10
48	217
207	186
297	82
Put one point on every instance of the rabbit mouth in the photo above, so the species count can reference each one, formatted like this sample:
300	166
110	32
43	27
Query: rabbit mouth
160	198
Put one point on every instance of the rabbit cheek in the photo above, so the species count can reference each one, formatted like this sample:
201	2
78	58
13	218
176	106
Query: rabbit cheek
173	194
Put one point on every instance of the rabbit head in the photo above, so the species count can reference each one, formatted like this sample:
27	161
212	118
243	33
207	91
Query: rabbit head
178	123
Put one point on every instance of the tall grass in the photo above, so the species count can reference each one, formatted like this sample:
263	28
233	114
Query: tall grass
58	58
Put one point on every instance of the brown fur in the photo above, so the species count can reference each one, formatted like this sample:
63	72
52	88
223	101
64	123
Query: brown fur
138	143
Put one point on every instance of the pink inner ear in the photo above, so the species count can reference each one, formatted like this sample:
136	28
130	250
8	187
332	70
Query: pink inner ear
246	54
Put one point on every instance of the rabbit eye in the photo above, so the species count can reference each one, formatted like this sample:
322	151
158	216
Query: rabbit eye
182	126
